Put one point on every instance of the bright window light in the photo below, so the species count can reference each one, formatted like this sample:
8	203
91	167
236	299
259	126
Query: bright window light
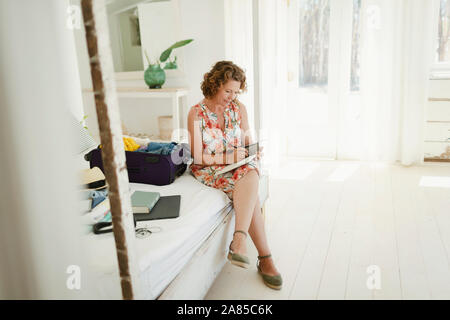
439	182
343	172
296	171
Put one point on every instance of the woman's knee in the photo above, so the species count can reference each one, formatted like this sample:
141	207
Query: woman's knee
247	185
251	177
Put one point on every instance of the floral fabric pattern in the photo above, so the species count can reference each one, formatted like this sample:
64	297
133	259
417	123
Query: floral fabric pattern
217	141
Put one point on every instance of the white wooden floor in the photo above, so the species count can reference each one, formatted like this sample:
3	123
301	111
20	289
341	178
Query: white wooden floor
336	228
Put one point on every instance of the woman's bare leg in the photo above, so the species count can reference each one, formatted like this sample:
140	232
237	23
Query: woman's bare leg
258	234
257	231
245	194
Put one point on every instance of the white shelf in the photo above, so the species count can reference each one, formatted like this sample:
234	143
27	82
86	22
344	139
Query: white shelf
143	92
151	93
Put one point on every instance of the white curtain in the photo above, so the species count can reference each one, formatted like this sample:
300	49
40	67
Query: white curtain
266	96
272	70
396	48
239	46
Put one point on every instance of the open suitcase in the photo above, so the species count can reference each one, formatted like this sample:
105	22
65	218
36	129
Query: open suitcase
146	167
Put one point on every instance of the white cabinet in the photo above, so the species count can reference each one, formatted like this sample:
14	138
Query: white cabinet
437	125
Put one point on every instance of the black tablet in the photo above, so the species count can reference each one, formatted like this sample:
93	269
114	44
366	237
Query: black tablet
167	207
252	148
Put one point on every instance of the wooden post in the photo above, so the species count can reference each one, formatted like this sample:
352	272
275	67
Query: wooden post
113	154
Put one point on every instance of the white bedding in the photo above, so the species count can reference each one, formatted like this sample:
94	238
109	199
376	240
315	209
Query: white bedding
162	255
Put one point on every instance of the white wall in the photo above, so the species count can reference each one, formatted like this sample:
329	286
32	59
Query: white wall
201	20
132	56
204	21
153	18
39	225
114	28
82	53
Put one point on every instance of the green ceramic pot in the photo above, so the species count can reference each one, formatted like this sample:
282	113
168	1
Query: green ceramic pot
154	76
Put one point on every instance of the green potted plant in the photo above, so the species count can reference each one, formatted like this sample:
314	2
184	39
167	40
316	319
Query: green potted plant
155	75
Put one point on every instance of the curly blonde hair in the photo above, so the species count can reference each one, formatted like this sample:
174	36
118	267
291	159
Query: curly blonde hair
220	73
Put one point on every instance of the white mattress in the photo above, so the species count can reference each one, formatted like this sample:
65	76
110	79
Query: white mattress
162	255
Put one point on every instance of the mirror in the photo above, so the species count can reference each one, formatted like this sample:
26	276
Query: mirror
138	26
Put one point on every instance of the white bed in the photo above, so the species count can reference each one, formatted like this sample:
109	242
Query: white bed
163	254
183	259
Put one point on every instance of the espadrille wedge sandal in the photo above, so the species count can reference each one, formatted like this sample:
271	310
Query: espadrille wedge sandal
236	258
274	282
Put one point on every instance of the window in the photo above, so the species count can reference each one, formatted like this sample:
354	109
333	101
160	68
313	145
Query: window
443	47
356	34
441	59
314	43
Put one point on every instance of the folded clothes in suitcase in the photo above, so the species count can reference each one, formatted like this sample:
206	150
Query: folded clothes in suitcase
149	168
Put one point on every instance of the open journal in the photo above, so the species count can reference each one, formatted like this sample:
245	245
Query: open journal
237	164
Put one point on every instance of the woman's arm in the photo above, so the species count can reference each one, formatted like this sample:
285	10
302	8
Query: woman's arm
196	145
246	136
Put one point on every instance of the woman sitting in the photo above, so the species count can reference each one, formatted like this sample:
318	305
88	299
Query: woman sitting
218	130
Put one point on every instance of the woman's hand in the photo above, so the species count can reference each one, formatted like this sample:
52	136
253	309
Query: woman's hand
240	153
259	154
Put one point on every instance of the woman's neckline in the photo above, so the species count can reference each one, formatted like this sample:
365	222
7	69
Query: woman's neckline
209	110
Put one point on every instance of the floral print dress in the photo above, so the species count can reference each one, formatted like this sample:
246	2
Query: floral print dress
217	141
